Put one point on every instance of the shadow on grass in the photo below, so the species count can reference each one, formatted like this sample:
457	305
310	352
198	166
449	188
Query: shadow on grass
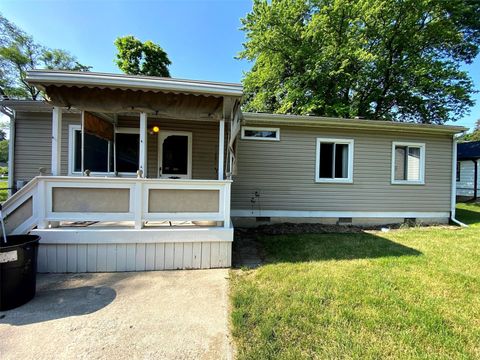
314	247
467	216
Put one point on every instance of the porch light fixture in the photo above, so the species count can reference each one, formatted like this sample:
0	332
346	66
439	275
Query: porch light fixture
155	129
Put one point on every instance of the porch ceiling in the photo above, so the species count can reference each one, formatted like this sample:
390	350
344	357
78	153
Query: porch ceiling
113	93
169	105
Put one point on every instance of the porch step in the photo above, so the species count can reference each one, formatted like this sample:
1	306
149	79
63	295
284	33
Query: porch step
107	249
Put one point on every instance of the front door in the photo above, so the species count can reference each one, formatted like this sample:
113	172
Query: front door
175	154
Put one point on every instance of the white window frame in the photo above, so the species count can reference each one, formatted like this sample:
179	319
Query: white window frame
351	149
256	128
71	151
422	147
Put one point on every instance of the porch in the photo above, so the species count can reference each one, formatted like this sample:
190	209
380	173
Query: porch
148	175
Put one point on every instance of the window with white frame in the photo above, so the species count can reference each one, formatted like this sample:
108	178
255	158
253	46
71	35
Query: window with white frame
260	133
99	157
408	163
97	152
334	160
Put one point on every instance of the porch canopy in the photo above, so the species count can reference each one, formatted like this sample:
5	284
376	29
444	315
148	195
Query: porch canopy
104	96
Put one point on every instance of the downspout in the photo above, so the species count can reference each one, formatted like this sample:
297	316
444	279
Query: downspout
11	147
453	197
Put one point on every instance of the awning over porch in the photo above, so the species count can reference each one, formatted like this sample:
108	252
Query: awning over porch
112	93
106	96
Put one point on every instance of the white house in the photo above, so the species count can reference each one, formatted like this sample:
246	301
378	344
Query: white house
468	176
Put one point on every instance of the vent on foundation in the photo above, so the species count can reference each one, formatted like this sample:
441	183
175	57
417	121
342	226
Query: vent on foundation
410	221
344	221
262	219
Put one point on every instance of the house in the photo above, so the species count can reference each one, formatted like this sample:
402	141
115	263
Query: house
468	158
130	173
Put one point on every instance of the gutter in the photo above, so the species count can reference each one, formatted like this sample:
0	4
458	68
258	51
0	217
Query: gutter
318	121
43	78
11	147
453	197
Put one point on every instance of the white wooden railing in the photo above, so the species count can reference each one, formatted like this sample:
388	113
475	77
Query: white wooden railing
48	199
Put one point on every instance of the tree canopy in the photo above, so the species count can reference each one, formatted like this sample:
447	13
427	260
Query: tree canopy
379	59
472	136
141	58
20	53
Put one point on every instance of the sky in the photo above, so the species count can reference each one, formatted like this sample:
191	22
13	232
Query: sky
201	37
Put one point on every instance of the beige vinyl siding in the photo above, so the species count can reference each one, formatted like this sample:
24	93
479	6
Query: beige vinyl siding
34	132
283	174
204	144
33	143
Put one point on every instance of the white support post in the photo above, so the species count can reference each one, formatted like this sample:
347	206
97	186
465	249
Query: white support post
82	150
11	155
138	205
226	204
143	144
56	140
40	204
221	148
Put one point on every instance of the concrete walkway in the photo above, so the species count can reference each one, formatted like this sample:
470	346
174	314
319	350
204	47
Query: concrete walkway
149	315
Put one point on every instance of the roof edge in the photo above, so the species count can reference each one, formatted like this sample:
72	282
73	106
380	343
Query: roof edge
44	78
318	121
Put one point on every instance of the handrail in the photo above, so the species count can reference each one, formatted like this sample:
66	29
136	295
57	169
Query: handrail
25	189
133	203
15	201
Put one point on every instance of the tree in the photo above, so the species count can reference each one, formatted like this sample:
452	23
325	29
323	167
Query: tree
137	58
20	53
398	59
473	136
4	151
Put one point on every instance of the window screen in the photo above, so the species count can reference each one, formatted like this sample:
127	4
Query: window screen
333	160
407	163
96	153
127	152
259	133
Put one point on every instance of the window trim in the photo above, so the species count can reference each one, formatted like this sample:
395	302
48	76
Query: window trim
422	147
257	128
71	151
351	150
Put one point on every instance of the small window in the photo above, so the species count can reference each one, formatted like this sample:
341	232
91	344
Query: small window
408	163
334	160
459	165
260	133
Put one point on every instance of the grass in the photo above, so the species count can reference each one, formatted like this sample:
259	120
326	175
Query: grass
405	294
3	189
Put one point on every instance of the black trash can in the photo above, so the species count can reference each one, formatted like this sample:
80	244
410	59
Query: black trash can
18	270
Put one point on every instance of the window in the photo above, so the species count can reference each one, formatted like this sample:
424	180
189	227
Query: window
408	163
459	165
260	133
127	152
99	152
334	160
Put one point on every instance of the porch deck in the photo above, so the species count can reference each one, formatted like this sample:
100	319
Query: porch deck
116	224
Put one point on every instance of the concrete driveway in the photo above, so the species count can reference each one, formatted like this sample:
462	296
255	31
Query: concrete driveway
149	315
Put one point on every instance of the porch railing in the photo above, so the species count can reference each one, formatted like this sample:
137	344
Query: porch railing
51	199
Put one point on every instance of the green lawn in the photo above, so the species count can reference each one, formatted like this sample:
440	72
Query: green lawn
408	293
3	190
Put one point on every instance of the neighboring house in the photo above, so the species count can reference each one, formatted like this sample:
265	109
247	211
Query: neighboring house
468	177
143	173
